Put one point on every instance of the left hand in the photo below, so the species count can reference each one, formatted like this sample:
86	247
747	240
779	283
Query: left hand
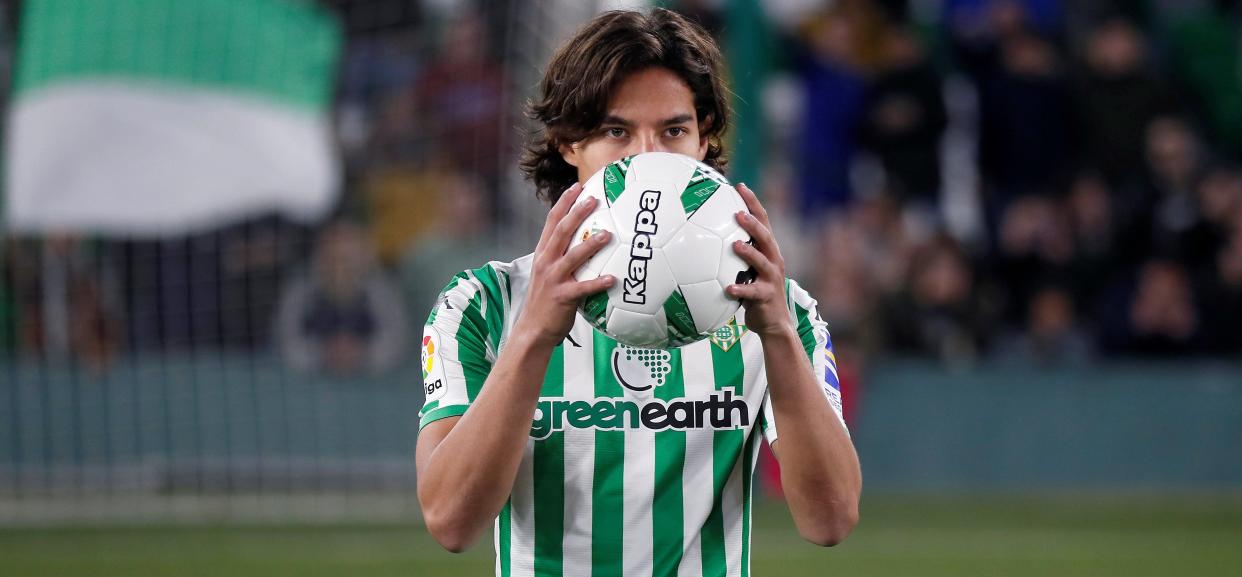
767	313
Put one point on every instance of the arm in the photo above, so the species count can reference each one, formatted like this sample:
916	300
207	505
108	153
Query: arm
467	464
819	468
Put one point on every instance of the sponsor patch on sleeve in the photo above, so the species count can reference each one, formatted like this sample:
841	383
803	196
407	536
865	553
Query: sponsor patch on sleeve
433	367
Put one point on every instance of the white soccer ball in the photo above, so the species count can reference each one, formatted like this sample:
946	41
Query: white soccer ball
673	225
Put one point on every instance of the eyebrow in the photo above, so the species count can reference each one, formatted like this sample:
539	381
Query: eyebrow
612	120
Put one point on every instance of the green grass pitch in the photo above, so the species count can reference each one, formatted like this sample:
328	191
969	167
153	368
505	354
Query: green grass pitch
1061	536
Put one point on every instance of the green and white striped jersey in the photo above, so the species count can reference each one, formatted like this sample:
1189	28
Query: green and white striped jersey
639	461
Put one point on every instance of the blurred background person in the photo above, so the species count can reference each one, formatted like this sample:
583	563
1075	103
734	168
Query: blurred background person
346	316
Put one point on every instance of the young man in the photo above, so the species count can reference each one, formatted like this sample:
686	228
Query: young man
526	425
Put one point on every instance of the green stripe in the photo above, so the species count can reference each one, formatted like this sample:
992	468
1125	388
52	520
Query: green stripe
441	413
504	550
667	512
726	449
608	504
471	351
486	276
274	49
806	332
614	182
728	370
697	192
748	474
548	463
608	488
606	384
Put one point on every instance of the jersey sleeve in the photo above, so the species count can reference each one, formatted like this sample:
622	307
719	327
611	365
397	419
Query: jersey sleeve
459	345
817	343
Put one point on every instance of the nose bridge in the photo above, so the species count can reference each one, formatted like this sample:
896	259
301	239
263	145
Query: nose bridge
649	141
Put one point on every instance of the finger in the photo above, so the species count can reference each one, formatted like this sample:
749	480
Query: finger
579	255
559	210
762	237
582	289
753	204
748	292
764	265
565	229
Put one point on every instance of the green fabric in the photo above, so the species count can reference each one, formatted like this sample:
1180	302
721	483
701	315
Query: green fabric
282	50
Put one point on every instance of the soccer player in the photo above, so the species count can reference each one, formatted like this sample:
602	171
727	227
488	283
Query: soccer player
528	424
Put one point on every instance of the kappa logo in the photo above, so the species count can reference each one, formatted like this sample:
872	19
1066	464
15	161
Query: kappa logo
634	285
640	369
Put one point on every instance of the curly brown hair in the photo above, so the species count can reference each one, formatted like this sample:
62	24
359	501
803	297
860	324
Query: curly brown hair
574	93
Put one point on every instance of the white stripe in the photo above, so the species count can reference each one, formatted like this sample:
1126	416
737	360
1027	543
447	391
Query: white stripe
731	509
579	454
84	155
639	495
697	474
522	541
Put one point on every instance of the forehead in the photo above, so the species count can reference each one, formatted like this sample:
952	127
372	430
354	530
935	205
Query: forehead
651	95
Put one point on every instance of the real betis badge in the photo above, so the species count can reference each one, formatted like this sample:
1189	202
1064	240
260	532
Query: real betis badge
727	336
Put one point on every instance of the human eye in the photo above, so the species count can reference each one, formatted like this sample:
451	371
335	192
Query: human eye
614	132
677	131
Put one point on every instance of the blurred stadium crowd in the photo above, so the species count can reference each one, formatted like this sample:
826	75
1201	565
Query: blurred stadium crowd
1023	180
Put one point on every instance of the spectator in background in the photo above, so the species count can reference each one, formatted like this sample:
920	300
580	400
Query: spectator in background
1116	98
1035	246
70	306
1223	293
1099	255
833	87
458	106
904	118
462	236
1159	318
1052	335
938	314
1175	164
346	317
1024	118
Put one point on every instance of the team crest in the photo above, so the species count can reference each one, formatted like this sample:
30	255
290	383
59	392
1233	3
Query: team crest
727	336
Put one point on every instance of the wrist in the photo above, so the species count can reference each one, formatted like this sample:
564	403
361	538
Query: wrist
533	339
779	333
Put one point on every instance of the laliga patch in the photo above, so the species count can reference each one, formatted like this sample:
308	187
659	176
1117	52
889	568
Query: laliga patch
434	386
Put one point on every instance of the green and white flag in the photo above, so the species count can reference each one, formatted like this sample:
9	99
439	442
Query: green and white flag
152	117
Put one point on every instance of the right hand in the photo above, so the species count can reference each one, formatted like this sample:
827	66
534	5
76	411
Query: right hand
553	297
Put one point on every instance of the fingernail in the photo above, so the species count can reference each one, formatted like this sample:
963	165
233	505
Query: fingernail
601	237
610	280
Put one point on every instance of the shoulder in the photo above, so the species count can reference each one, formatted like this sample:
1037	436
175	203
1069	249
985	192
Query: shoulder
798	298
480	298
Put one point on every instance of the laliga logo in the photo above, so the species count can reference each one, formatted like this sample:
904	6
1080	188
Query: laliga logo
636	369
635	285
429	359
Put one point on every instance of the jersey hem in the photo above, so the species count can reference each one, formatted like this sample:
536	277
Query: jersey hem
441	413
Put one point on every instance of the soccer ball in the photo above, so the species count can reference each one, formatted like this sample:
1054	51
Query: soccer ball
673	225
